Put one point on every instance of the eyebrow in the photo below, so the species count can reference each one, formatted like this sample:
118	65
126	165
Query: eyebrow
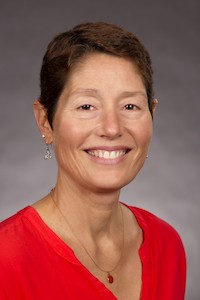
133	94
126	94
84	91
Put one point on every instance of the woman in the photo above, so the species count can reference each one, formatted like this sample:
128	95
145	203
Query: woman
96	107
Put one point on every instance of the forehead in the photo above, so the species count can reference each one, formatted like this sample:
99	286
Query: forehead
103	70
103	59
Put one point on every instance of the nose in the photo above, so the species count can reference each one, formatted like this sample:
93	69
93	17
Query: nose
110	125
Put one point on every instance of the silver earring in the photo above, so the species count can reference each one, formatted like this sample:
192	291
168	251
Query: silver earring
147	156
48	154
43	135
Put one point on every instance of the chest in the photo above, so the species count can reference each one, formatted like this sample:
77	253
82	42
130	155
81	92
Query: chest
127	283
127	277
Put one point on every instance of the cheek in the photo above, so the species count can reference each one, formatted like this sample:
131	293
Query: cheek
70	134
144	133
66	146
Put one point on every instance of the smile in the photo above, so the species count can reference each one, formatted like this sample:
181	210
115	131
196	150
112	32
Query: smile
107	154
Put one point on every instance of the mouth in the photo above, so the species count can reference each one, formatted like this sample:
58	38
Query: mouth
108	154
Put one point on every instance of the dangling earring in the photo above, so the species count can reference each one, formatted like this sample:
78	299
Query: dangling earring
48	154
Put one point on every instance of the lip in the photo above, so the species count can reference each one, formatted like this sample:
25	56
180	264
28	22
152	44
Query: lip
109	148
104	161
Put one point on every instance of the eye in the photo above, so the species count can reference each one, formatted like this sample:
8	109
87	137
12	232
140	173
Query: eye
130	107
86	107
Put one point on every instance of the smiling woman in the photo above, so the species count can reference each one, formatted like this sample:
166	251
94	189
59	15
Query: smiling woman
85	138
96	107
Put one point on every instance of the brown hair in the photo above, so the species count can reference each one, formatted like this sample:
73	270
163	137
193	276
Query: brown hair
67	48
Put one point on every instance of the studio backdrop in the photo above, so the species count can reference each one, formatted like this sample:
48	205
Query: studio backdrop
169	183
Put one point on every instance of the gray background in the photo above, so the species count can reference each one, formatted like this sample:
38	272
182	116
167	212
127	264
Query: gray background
168	185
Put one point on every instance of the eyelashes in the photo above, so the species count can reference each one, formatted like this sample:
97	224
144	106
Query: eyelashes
130	107
90	107
86	107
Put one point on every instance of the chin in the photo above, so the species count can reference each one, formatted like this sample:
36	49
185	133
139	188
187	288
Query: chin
105	184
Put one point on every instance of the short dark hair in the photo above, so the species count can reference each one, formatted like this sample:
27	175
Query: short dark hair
69	47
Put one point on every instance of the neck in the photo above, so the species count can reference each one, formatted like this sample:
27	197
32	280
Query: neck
98	213
94	220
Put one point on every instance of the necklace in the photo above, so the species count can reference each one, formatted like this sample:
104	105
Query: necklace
109	277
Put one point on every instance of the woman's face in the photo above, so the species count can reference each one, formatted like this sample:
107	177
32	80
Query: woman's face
103	126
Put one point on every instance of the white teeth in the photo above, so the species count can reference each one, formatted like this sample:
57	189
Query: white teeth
100	154
112	154
107	154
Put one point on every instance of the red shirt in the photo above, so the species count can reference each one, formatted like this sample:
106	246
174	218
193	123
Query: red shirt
36	264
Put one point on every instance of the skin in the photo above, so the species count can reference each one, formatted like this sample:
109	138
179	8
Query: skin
103	107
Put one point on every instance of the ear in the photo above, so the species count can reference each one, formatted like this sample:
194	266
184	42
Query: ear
154	104
42	122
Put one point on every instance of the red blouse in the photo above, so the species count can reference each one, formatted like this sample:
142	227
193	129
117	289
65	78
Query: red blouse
36	264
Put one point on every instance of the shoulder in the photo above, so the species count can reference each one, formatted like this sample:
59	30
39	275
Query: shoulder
12	221
153	222
12	233
165	248
162	234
